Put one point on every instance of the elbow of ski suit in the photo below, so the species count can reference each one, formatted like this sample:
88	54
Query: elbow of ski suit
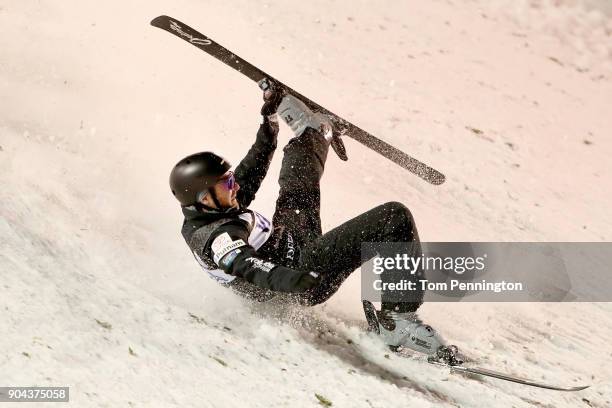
231	252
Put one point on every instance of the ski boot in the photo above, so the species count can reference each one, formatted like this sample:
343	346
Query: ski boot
407	331
299	117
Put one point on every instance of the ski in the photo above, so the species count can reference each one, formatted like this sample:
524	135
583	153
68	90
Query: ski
447	357
508	377
342	127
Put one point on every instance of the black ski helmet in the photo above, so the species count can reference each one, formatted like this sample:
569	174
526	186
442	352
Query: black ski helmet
195	174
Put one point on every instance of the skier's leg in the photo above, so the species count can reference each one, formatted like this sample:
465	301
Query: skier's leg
337	253
297	216
299	199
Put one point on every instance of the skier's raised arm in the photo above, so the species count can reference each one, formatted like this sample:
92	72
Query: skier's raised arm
251	171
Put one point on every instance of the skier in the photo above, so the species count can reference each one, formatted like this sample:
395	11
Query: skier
289	258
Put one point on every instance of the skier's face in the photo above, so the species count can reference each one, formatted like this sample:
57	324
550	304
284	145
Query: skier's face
225	191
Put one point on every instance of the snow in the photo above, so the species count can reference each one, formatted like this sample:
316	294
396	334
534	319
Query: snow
510	99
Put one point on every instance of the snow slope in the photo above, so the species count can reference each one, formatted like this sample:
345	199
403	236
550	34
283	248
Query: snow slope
510	99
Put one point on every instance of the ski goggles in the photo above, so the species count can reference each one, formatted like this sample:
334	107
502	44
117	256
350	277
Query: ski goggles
228	181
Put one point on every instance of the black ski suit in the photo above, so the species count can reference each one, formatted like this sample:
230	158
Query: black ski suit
296	245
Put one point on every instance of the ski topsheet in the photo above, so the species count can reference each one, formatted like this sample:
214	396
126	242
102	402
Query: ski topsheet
342	127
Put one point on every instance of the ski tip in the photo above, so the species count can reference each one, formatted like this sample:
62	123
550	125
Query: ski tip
567	389
436	178
159	20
